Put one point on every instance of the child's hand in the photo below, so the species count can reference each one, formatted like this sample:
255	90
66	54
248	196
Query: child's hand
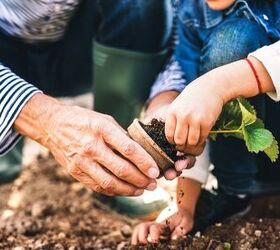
179	224
193	113
147	232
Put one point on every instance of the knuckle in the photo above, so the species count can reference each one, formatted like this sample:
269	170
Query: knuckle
129	149
107	184
122	172
90	149
197	119
97	188
130	192
184	116
179	140
208	123
192	140
141	183
74	170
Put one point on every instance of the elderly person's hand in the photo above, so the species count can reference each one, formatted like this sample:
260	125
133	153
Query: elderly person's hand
92	146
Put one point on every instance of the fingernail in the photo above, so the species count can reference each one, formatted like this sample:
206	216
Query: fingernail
138	192
181	164
170	174
151	186
153	173
180	153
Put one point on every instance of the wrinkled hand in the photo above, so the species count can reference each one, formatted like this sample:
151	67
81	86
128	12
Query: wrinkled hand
179	225
170	174
192	114
92	146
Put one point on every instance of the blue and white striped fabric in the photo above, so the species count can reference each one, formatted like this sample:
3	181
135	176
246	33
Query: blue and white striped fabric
14	93
46	20
171	78
32	21
36	20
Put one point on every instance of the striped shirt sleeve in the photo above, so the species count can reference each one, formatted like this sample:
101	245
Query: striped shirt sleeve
14	93
171	78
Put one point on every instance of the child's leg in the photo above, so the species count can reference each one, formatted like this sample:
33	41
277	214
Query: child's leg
233	40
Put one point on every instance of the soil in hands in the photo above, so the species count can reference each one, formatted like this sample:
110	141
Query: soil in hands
155	129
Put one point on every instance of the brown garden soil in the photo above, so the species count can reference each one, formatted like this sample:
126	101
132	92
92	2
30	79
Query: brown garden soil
45	209
155	129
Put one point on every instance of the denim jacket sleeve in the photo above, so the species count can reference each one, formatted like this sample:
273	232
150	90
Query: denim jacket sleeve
270	57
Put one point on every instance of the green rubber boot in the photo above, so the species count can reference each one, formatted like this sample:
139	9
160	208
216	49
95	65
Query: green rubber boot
122	80
11	164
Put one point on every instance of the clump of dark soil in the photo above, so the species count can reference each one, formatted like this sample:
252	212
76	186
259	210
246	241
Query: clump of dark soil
155	129
45	209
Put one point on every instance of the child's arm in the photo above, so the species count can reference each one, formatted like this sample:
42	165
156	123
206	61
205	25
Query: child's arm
179	217
179	223
191	116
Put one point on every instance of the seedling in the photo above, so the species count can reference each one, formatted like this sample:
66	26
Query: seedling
239	119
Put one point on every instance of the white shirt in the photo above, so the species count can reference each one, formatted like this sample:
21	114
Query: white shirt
270	58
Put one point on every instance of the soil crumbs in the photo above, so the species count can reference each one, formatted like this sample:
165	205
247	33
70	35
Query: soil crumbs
155	129
46	209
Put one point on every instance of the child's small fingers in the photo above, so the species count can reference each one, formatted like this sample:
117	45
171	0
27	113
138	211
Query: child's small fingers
204	133
175	234
195	150
182	164
170	174
180	231
143	234
155	232
194	135
181	135
170	126
134	237
185	164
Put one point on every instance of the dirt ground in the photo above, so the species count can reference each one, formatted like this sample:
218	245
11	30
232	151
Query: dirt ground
45	209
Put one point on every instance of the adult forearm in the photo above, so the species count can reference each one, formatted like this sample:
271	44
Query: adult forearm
35	117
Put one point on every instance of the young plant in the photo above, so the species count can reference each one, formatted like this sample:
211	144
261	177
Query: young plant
239	119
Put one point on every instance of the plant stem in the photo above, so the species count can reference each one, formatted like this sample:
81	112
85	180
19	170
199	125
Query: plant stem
226	131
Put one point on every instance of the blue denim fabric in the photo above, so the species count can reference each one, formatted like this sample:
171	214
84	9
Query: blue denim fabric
209	39
196	21
139	25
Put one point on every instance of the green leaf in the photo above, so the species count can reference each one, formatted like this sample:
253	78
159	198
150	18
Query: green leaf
273	151
213	136
248	112
239	119
230	118
247	105
257	139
